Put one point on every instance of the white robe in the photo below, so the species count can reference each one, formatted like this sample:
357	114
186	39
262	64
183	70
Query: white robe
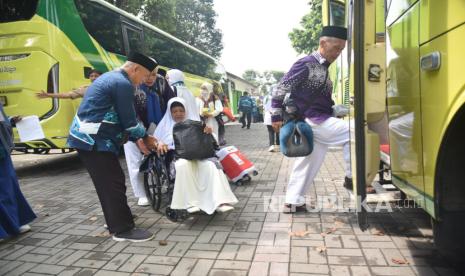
215	109
199	183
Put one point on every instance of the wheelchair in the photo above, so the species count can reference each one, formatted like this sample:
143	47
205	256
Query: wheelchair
159	185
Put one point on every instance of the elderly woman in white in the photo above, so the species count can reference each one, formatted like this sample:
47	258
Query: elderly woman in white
175	78
209	106
199	184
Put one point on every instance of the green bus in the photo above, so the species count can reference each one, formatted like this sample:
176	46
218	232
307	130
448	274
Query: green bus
52	45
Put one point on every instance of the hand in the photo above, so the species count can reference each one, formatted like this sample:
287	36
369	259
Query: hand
142	147
15	119
277	126
151	142
162	148
208	130
42	94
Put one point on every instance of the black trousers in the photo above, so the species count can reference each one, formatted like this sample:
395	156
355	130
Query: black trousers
109	181
248	116
272	136
221	132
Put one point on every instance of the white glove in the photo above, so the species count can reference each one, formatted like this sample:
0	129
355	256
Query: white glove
340	110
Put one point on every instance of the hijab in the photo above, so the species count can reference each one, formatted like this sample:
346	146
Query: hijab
164	130
176	80
203	94
267	99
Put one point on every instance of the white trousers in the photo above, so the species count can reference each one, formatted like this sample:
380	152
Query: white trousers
134	159
332	132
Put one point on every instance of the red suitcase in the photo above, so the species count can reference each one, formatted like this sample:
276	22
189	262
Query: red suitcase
235	165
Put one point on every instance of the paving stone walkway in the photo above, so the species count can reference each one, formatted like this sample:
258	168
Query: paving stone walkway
68	237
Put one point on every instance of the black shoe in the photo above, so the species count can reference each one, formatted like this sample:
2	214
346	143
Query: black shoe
290	208
348	184
134	235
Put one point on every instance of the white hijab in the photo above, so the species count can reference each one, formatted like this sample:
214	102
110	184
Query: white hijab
176	78
164	130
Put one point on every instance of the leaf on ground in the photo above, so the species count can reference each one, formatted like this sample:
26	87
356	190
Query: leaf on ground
330	230
140	270
321	249
378	232
39	206
299	233
102	234
163	243
400	261
93	218
46	214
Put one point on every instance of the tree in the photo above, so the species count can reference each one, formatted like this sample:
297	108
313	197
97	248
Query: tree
195	24
192	21
277	76
160	13
252	76
306	39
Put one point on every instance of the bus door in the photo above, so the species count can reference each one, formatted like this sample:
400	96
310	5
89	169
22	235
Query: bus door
365	59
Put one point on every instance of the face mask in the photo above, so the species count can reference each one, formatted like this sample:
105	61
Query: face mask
204	93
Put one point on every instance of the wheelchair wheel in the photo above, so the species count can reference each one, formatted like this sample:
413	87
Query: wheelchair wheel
152	186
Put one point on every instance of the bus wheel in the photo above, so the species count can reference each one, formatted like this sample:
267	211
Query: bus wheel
449	237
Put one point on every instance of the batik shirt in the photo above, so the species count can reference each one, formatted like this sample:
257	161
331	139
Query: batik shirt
309	86
106	115
6	134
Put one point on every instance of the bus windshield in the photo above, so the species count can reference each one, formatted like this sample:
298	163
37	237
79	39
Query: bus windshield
14	10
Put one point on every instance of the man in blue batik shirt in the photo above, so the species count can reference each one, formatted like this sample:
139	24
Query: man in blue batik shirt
105	120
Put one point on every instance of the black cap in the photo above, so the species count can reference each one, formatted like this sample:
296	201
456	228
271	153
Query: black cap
143	60
334	31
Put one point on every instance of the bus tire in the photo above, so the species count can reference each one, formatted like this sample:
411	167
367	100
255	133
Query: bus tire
449	237
449	193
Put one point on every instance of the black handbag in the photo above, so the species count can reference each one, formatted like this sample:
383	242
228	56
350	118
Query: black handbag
190	142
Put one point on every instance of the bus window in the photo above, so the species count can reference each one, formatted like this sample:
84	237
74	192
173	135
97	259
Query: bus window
337	13
11	11
133	39
102	24
161	48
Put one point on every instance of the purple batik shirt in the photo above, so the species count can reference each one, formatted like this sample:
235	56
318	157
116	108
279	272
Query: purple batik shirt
309	86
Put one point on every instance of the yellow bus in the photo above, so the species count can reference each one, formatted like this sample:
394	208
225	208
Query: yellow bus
405	62
51	45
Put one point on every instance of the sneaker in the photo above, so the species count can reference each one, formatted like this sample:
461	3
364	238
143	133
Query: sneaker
24	228
271	149
143	201
224	208
193	209
348	184
134	235
290	208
